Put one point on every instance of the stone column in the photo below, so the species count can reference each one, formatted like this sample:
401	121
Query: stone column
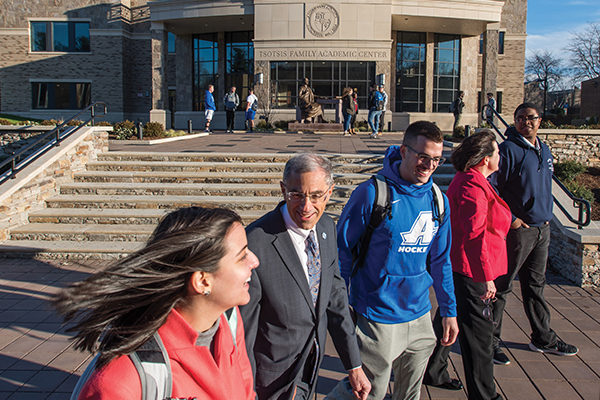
221	84
184	81
159	111
429	59
489	70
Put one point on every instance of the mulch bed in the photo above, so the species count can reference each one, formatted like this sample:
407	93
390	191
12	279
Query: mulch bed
591	179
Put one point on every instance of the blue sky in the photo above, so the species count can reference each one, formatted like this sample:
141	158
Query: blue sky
550	22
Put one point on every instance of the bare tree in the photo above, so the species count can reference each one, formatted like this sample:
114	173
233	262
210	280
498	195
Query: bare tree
266	108
545	69
585	49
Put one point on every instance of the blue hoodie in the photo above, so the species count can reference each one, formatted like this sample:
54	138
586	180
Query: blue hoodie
524	179
209	101
393	284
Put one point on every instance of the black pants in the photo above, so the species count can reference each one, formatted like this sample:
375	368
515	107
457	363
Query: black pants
527	258
381	121
230	119
436	372
475	336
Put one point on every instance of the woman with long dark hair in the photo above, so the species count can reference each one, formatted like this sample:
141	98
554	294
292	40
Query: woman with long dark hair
480	221
185	285
347	109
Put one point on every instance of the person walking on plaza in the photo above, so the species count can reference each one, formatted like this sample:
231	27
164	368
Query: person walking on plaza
298	294
456	108
209	106
480	221
385	105
489	110
355	106
347	109
524	181
389	291
171	307
376	106
231	101
251	107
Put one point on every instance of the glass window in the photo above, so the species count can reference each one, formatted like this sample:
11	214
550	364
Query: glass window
501	42
446	71
171	42
499	102
206	58
410	71
239	63
61	95
481	44
327	78
64	36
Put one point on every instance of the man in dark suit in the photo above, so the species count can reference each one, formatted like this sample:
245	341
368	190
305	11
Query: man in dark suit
298	294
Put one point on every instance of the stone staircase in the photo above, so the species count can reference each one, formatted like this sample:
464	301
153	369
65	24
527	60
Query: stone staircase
111	209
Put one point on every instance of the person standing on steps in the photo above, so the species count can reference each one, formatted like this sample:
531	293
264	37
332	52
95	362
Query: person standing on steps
209	106
231	101
251	107
385	105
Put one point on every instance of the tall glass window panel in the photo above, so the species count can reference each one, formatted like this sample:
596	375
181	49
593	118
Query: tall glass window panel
60	36
81	34
39	36
205	69
327	79
171	37
501	42
446	71
67	36
410	71
239	63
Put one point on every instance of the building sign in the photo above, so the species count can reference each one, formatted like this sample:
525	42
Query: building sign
322	54
322	20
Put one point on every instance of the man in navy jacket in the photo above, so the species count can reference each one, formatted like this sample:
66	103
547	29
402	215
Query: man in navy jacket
524	181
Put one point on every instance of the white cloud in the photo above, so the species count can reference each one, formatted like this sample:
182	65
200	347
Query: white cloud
554	42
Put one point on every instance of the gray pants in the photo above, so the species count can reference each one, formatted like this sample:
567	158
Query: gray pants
403	348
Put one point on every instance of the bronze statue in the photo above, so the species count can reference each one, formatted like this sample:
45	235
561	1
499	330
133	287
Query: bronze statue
308	106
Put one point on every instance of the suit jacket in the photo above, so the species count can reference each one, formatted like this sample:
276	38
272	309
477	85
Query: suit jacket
280	319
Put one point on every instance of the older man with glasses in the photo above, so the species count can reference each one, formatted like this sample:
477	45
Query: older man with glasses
390	291
524	181
298	295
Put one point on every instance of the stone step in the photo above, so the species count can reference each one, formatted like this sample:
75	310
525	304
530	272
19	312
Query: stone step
83	232
231	157
60	249
201	177
236	166
237	203
184	189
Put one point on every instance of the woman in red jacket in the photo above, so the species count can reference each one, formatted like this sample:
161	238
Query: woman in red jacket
195	267
480	220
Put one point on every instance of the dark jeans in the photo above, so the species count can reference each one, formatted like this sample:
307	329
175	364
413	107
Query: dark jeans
230	114
475	337
381	121
527	257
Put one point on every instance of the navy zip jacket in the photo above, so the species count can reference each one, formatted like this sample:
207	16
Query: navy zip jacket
524	179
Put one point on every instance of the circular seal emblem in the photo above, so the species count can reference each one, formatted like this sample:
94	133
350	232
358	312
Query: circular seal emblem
322	20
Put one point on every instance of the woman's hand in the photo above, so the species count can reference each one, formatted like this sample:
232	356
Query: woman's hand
490	290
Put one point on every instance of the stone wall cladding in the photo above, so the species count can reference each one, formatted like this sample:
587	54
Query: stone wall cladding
583	147
16	207
15	12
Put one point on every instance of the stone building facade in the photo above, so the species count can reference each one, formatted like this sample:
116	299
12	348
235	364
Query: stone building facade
153	59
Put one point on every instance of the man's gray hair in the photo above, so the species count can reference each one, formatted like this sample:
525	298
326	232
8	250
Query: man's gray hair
308	162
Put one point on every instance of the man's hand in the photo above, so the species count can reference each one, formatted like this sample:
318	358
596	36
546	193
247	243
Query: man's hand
517	223
490	290
360	383
450	331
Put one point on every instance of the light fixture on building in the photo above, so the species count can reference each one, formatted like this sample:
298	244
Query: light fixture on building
259	78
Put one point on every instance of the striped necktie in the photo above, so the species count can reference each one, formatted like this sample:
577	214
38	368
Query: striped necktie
314	266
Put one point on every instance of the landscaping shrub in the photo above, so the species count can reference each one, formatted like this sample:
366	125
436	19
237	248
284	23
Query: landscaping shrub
75	122
49	122
124	130
579	190
281	125
5	122
154	129
459	132
362	126
262	125
568	170
102	123
174	133
547	124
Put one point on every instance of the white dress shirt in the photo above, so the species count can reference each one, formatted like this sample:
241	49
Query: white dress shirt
298	236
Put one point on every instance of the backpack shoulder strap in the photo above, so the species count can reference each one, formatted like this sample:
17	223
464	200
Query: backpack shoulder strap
89	370
381	209
438	201
154	368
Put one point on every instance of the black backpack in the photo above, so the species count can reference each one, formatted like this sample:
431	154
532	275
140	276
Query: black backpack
381	209
151	361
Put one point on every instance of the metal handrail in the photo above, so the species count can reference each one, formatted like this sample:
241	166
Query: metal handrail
42	145
584	207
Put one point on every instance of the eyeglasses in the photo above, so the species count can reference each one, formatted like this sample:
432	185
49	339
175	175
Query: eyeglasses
487	311
314	198
531	118
424	158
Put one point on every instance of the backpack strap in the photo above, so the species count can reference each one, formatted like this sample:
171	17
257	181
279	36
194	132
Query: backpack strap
89	370
151	361
438	202
381	209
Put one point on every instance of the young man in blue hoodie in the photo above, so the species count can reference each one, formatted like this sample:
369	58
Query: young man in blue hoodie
209	106
390	292
524	181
